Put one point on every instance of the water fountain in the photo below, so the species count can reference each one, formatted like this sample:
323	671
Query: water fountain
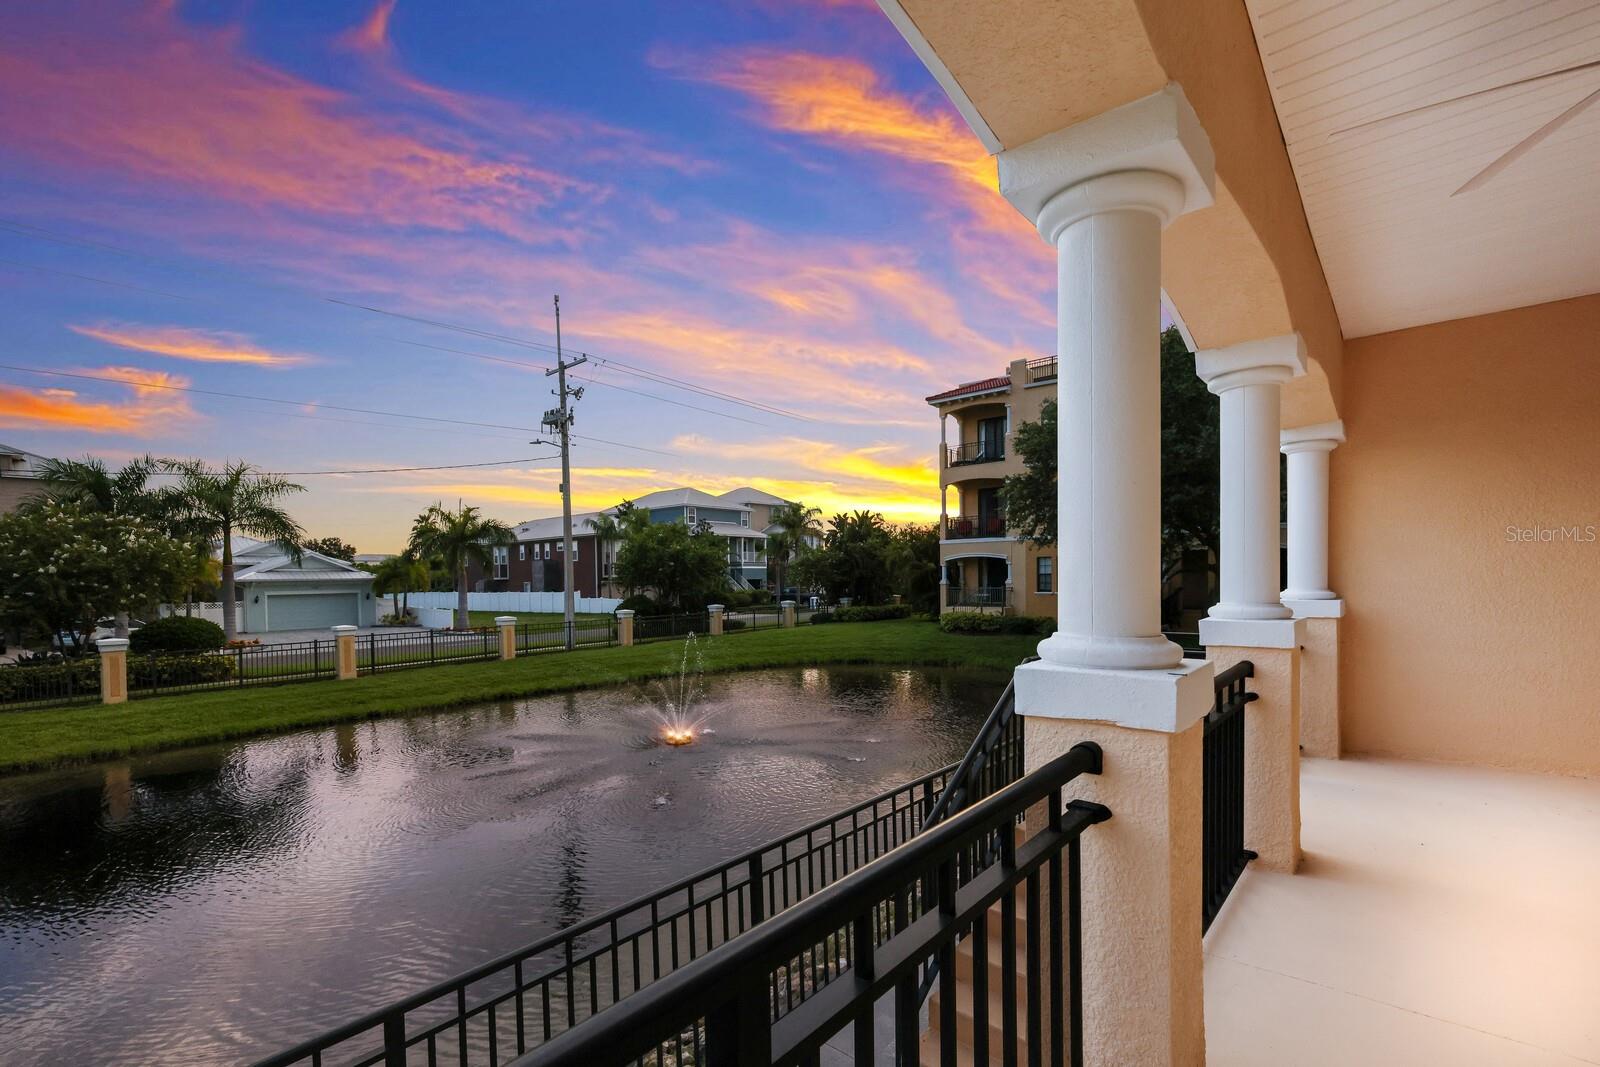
678	697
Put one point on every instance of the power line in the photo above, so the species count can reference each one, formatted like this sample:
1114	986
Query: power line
92	278
389	470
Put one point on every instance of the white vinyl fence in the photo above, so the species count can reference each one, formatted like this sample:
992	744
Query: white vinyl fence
211	612
544	602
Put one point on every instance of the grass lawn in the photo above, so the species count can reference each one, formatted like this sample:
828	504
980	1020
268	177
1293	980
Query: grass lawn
53	736
486	618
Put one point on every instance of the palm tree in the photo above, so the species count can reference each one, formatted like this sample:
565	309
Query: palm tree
795	523
216	504
609	527
400	574
458	537
90	484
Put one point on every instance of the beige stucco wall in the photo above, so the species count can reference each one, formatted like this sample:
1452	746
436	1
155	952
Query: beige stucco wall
1459	643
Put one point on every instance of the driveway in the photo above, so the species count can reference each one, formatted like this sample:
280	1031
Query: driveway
289	637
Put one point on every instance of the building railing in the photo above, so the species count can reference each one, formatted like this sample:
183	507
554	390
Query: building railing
986	524
524	999
1223	855
777	994
985	596
974	452
1043	370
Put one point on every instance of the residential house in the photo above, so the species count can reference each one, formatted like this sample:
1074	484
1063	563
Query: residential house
19	477
986	565
726	517
278	592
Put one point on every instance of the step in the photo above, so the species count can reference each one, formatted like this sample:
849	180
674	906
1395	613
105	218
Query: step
930	1045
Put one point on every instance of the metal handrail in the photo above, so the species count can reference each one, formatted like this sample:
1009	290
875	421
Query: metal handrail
889	916
773	882
990	451
1223	855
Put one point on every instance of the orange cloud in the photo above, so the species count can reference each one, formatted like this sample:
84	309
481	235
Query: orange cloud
150	410
181	342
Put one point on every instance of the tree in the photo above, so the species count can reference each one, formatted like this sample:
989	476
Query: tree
1190	465
914	564
797	525
853	559
89	484
684	566
457	538
332	546
66	566
216	504
608	527
400	574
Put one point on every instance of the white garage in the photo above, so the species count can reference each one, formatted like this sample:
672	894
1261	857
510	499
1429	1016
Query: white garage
314	592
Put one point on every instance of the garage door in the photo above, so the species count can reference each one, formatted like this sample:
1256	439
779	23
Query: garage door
311	611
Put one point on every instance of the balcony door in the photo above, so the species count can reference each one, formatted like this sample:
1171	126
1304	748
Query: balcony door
992	438
989	520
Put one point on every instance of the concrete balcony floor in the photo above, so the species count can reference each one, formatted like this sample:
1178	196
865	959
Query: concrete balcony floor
1444	915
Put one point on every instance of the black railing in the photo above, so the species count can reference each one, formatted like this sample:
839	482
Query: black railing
1223	855
49	681
523	999
982	596
377	652
974	452
987	524
551	636
758	617
657	627
1043	370
776	995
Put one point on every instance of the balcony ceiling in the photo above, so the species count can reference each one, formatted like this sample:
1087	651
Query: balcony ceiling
1447	153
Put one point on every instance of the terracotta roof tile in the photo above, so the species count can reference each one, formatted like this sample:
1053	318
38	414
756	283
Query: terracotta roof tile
972	387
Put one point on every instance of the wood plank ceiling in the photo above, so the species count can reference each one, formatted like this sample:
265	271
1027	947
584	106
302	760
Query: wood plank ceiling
1447	151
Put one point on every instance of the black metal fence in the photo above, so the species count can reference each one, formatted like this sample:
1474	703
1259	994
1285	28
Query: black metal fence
979	596
46	683
824	968
975	452
163	673
526	998
658	627
1223	855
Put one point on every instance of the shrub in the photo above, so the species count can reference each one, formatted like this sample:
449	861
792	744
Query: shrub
979	622
872	612
820	617
639	604
176	633
44	676
166	670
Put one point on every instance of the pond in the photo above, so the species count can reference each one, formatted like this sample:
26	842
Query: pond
216	904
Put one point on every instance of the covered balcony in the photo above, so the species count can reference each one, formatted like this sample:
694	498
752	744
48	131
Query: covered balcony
1363	826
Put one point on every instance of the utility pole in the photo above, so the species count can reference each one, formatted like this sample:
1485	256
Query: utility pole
559	421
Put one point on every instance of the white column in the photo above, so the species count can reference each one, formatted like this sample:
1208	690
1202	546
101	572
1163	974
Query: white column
1249	379
1307	448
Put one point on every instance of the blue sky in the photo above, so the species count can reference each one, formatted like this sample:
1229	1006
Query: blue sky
772	201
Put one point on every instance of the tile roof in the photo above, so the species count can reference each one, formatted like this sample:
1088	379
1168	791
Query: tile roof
983	386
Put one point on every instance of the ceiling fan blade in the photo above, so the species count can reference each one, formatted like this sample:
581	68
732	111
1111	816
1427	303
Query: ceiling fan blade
1524	146
1575	68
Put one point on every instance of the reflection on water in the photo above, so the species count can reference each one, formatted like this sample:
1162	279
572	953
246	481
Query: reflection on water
215	904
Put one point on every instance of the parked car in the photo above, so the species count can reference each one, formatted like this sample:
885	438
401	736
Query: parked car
103	628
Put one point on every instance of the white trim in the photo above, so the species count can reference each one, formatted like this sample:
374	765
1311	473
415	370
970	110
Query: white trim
1166	701
979	540
1177	320
976	555
941	73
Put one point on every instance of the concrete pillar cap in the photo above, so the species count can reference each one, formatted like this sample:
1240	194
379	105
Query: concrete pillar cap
503	620
112	644
624	613
716	609
786	603
345	629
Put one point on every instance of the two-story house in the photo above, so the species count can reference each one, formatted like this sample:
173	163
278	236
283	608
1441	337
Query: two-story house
727	518
986	565
19	476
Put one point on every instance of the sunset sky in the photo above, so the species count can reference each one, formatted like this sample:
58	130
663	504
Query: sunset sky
769	199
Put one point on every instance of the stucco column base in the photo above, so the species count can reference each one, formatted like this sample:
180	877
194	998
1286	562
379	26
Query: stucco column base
1143	964
1319	676
507	625
1271	736
344	652
113	670
624	626
788	613
714	615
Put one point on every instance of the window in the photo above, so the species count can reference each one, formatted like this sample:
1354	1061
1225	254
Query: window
561	548
1046	575
527	587
522	553
547	550
502	558
744	518
574	551
692	516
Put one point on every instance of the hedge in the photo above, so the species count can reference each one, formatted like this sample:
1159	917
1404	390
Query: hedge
176	633
979	622
872	612
30	682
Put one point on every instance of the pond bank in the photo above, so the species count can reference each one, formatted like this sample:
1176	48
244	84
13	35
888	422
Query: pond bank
52	737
